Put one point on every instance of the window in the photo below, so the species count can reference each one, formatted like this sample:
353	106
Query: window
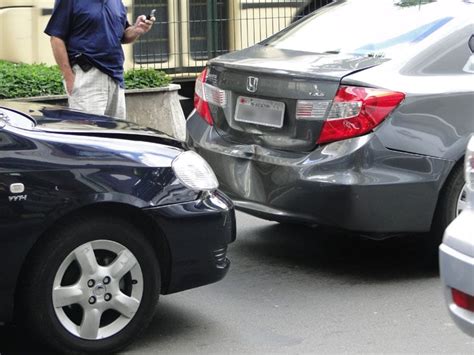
350	27
208	27
154	47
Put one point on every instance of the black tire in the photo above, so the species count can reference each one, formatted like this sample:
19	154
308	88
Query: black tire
446	210
36	295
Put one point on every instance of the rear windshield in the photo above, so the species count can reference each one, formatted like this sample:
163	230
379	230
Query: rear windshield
378	28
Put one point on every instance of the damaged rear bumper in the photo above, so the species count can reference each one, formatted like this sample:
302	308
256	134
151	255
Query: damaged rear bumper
355	184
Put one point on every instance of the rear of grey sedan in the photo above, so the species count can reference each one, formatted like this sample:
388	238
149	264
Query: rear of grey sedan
356	116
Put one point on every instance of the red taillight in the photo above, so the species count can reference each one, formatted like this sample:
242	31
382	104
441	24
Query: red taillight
200	104
463	300
356	111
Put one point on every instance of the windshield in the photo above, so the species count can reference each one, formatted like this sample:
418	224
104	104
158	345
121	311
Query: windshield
378	28
15	119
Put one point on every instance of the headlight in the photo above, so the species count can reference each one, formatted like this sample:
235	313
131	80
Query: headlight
469	165
194	172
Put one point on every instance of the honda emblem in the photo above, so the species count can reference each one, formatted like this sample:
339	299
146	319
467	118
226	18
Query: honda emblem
252	84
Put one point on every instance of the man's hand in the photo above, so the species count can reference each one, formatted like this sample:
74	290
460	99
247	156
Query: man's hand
69	79
141	26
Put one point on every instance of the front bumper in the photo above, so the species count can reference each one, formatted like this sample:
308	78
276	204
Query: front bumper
456	263
355	184
197	234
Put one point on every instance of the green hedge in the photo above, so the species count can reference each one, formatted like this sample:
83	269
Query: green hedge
26	80
145	78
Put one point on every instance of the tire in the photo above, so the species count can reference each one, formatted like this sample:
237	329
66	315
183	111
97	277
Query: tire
74	317
451	201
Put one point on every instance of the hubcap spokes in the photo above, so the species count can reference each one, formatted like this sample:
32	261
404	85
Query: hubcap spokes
99	289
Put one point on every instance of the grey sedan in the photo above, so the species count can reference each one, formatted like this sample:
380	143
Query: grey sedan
456	257
356	116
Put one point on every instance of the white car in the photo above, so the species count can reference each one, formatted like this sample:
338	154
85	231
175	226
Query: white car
456	255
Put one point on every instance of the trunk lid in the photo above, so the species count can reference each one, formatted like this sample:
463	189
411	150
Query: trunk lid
264	87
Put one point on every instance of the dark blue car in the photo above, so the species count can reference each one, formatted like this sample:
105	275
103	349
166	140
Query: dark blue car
97	218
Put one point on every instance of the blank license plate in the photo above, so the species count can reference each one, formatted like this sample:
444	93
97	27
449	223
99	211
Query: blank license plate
258	111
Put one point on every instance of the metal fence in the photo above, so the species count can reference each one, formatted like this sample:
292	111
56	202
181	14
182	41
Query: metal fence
187	33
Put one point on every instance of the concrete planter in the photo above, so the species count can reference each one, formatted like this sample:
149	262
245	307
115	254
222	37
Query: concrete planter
158	108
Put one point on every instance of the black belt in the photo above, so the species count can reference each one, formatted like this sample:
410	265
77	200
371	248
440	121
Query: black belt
82	61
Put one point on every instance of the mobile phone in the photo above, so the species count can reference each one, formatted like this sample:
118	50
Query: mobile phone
152	14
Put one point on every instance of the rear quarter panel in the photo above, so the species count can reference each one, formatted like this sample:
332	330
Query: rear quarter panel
437	116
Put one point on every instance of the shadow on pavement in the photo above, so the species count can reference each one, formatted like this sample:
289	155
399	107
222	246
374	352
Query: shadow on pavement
339	253
14	341
169	322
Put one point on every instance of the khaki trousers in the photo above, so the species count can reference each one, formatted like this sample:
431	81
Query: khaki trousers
97	93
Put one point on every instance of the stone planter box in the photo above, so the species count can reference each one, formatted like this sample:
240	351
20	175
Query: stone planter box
157	108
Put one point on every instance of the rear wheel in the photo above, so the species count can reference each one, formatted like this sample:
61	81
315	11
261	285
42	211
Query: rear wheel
452	201
91	287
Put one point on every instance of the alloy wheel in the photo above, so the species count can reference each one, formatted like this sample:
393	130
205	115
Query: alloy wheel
97	289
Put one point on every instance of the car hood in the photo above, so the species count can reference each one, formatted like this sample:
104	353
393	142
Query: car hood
57	119
267	59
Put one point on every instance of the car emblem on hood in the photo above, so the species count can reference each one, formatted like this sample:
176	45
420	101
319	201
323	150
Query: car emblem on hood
252	84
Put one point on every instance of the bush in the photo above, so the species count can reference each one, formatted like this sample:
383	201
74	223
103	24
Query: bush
23	80
145	78
26	80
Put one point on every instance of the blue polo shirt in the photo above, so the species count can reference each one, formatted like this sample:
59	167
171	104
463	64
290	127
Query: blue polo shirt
93	28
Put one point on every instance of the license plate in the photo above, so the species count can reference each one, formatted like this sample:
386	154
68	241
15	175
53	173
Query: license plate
258	111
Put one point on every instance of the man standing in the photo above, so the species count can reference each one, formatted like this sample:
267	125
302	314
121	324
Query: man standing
86	38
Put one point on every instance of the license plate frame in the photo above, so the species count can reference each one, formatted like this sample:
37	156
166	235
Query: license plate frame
261	112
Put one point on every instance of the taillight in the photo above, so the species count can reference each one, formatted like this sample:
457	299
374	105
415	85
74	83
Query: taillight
204	94
356	111
200	104
463	300
311	109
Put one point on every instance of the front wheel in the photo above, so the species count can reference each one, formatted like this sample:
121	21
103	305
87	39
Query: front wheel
91	287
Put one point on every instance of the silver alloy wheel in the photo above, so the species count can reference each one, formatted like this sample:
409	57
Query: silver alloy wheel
104	292
462	201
